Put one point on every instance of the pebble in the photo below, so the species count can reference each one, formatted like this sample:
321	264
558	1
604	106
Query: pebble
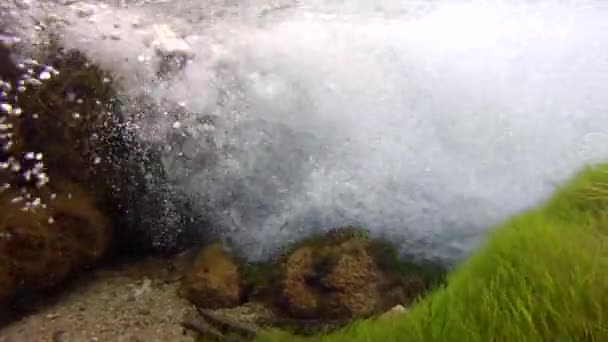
23	4
85	10
396	310
169	44
52	316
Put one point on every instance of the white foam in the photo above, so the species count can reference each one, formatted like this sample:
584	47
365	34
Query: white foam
426	127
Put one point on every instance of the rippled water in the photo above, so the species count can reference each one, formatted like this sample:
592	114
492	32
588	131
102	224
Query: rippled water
426	122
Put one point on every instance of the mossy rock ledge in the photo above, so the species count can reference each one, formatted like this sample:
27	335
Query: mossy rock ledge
321	281
71	122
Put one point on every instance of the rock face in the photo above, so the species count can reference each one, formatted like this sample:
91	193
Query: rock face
342	276
214	281
55	211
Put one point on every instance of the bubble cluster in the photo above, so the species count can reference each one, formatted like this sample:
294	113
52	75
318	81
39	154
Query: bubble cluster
23	170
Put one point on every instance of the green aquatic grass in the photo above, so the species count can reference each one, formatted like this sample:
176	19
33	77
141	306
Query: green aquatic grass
539	276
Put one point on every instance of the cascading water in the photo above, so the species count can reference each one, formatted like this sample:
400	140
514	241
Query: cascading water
425	122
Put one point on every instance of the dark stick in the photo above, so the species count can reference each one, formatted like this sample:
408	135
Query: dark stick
196	324
243	329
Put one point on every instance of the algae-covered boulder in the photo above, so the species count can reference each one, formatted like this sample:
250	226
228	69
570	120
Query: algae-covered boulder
331	281
42	246
343	275
48	229
56	207
317	284
213	281
74	179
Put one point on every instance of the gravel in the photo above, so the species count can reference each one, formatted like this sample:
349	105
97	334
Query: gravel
131	303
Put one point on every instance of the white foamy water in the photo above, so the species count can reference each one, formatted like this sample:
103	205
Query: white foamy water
425	122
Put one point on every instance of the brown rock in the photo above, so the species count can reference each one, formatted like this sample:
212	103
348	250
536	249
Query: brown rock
333	282
355	279
68	228
301	299
344	274
214	281
44	245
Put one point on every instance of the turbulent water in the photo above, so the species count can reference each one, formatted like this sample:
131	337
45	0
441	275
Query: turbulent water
426	122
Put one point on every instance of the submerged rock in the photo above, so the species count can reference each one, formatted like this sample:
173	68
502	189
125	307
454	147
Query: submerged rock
319	284
44	245
343	275
331	281
69	173
213	281
48	229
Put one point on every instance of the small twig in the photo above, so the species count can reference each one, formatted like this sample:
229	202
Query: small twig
199	326
244	329
309	324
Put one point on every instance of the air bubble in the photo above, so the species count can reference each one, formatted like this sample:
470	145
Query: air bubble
17	112
6	107
34	82
45	75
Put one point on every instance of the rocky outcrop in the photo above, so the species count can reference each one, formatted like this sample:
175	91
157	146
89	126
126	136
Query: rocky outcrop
52	202
71	169
342	275
213	281
320	283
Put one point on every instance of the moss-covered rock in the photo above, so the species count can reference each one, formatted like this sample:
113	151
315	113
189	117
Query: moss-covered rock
318	284
346	274
43	246
337	276
331	281
49	230
213	281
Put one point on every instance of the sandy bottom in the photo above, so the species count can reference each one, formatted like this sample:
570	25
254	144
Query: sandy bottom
134	302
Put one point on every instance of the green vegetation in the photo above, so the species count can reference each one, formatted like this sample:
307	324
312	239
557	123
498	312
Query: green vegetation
539	276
